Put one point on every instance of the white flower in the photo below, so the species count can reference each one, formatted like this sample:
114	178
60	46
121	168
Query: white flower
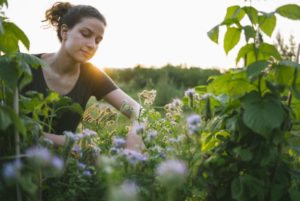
174	166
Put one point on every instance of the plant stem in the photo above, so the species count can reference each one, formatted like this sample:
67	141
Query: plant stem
17	138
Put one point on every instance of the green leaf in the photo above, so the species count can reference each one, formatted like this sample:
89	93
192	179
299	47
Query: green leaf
267	23
5	120
244	154
235	12
30	59
3	2
266	51
252	14
283	74
249	32
232	37
9	72
18	123
249	51
264	115
12	35
291	11
247	187
213	34
255	68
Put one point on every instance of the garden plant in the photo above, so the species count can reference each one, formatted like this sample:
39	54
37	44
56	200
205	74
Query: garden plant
235	138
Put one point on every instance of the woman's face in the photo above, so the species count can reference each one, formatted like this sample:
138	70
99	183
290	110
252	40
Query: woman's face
82	41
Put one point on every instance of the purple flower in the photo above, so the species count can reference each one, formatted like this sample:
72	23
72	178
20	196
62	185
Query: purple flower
89	133
114	150
81	165
151	135
193	123
87	173
38	153
119	142
58	163
134	156
10	169
189	92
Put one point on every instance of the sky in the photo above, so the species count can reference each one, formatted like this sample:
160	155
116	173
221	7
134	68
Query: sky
151	33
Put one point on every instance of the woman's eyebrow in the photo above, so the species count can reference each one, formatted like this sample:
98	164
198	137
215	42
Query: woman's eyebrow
90	30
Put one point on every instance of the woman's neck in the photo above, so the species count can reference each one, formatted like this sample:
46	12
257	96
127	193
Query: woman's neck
61	63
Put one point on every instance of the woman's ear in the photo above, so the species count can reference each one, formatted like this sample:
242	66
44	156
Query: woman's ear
64	31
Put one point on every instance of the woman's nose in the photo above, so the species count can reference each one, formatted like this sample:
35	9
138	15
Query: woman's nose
91	43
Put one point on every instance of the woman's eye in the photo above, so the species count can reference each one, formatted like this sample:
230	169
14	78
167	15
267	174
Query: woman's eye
84	34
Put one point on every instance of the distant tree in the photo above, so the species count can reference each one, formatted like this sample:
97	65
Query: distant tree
287	51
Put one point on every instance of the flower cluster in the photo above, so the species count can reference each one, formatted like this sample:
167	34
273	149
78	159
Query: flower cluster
147	96
173	108
119	142
193	123
10	170
41	157
99	115
133	156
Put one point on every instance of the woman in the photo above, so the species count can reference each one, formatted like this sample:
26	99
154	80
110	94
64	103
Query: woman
80	30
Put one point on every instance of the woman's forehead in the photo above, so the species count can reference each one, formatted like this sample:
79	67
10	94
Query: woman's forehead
92	24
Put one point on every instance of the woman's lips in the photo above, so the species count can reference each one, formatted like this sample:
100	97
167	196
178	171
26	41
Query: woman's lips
86	54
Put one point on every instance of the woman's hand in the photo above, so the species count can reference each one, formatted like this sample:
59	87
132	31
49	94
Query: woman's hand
134	140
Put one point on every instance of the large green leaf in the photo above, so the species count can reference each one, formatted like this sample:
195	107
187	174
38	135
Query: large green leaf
232	84
289	63
267	23
232	37
252	14
262	115
235	12
11	37
9	72
291	11
266	51
213	34
255	68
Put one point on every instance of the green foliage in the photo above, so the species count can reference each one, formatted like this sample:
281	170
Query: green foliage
235	136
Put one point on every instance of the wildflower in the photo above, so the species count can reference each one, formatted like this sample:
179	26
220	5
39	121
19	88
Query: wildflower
129	188
127	191
47	141
76	149
87	173
89	133
81	165
119	142
57	163
163	155
193	122
151	135
10	169
171	166
138	129
189	92
114	150
133	156
147	96
38	153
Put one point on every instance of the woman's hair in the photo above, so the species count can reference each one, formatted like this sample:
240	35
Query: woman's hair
65	13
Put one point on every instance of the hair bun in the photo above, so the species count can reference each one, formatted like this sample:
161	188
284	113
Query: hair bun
56	12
